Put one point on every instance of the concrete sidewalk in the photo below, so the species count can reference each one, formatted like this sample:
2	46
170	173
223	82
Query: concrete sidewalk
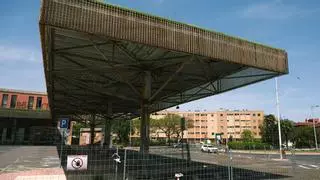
274	152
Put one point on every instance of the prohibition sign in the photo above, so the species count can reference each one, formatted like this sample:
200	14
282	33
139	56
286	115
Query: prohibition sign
77	163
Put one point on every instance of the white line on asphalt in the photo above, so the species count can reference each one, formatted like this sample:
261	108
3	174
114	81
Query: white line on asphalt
304	167
315	166
7	167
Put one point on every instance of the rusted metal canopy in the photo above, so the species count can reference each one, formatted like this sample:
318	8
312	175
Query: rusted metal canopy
95	53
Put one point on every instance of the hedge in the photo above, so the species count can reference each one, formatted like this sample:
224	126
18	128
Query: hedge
248	145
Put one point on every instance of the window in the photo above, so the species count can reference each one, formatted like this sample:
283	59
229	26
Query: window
258	114
212	115
221	114
237	120
13	101
254	127
254	120
237	126
221	127
39	103
30	102
253	114
197	132
237	114
4	100
203	114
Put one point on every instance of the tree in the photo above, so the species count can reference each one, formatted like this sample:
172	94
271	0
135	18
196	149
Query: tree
269	130
136	124
287	130
76	128
122	129
246	135
169	125
303	136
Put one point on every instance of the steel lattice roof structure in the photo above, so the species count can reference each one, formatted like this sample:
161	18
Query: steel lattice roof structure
95	53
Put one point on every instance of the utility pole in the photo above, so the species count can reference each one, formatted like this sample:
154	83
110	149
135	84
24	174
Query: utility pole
278	116
314	126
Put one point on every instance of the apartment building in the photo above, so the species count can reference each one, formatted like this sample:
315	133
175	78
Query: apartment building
225	123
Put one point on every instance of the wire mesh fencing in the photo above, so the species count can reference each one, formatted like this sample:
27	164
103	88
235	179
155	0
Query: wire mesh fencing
189	161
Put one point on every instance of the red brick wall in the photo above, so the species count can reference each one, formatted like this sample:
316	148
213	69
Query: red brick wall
22	99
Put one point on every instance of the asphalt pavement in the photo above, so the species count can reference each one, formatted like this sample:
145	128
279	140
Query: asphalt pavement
23	158
27	158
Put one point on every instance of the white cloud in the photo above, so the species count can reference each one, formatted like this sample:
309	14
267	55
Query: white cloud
10	53
274	10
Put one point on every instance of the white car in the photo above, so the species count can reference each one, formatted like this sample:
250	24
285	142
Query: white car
209	148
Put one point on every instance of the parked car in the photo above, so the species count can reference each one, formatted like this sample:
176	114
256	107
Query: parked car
209	148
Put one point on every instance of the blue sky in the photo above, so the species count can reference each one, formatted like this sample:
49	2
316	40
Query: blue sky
289	24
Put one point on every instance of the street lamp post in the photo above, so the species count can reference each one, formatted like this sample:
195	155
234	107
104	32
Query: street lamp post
314	126
278	116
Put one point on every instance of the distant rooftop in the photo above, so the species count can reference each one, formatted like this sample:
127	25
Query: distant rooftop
22	91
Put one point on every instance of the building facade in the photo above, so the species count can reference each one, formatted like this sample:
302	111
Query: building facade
23	114
309	122
227	124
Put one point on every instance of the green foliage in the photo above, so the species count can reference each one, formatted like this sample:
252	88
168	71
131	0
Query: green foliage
247	135
303	137
171	125
269	131
240	145
76	128
122	129
287	130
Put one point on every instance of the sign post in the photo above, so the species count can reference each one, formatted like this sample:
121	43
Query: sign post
64	124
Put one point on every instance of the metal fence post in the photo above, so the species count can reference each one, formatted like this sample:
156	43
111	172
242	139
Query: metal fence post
117	164
124	164
230	173
61	147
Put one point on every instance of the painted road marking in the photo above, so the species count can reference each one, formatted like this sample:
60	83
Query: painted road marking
304	167
315	166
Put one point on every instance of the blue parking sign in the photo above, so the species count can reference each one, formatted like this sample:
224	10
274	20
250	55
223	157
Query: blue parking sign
64	123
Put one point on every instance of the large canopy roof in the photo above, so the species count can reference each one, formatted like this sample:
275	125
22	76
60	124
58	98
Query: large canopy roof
96	53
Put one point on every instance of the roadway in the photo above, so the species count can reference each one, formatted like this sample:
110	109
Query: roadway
26	158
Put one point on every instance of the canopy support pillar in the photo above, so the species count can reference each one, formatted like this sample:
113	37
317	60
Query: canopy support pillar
145	115
108	127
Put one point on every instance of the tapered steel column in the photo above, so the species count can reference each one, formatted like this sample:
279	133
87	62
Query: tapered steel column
145	116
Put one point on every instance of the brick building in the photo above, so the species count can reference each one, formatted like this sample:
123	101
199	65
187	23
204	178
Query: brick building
309	122
206	125
22	115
